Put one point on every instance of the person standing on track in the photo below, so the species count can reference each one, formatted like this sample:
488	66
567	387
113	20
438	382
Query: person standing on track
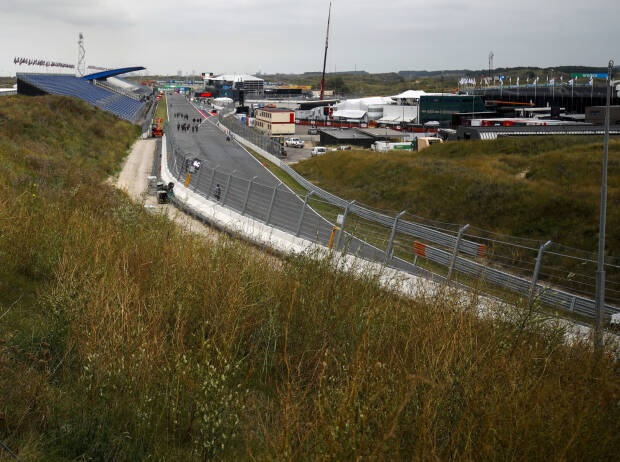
218	192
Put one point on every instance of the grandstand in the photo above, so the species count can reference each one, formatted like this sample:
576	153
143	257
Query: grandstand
102	89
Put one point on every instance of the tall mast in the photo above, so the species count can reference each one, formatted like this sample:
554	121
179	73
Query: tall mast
325	57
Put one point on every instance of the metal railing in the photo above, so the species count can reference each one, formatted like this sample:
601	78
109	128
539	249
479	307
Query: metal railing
524	267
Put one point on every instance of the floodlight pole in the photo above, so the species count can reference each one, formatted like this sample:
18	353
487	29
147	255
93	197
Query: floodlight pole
600	271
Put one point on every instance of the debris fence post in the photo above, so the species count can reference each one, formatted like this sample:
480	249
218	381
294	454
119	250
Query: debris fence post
228	181
273	199
208	193
303	211
536	272
344	220
247	195
390	247
455	253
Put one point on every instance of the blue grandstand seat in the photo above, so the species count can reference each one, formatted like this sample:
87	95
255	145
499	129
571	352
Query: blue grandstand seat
68	85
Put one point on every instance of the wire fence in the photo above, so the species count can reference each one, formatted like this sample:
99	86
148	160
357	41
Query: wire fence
504	266
251	135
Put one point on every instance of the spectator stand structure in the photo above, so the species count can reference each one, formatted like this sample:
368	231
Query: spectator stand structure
101	89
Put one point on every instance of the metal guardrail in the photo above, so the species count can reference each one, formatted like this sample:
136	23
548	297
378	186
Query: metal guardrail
407	240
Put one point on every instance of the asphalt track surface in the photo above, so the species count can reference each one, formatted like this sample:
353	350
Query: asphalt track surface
210	146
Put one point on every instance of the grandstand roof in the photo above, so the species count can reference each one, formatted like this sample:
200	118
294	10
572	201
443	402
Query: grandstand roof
112	73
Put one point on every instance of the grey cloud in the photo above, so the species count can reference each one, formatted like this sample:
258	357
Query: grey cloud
286	35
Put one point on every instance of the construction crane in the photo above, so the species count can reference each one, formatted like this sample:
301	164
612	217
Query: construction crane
325	57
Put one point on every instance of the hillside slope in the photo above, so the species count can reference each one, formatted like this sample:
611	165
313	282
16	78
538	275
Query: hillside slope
539	188
123	338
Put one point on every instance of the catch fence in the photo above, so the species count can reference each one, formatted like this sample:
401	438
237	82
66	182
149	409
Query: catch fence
555	275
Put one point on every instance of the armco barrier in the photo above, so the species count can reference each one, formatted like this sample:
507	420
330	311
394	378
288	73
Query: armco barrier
521	286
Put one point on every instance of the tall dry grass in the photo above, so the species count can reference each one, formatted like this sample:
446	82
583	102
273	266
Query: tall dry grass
136	341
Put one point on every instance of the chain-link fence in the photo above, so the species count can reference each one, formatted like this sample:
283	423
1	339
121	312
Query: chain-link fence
504	266
251	135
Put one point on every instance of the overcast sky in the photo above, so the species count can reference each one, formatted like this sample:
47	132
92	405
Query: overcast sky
289	36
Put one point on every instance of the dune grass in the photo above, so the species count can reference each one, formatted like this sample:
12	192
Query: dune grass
123	338
539	188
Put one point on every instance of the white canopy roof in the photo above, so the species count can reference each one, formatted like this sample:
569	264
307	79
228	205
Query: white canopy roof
410	94
349	113
363	103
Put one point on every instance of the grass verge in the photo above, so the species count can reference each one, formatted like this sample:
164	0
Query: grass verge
162	111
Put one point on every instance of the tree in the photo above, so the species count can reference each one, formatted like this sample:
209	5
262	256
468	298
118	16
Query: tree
337	84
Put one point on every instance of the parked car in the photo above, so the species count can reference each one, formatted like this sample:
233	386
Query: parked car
313	130
318	150
294	143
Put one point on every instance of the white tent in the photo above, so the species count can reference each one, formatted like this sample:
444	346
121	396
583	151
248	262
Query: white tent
410	94
362	104
358	108
349	113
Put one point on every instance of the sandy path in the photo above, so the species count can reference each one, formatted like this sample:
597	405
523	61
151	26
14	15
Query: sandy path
133	179
137	167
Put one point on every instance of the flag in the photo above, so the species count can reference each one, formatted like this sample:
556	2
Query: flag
571	82
552	82
561	78
517	81
591	81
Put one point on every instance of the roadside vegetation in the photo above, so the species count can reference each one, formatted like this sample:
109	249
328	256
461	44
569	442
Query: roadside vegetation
162	110
123	338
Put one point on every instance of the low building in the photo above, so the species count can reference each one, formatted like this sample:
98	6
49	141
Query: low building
382	134
491	133
596	115
333	136
441	107
275	121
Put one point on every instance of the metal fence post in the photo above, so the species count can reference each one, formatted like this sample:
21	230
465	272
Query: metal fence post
536	271
455	254
227	188
344	221
273	199
247	195
390	247
211	181
198	179
303	211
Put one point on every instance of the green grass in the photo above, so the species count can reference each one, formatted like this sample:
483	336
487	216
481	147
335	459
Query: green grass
127	339
162	111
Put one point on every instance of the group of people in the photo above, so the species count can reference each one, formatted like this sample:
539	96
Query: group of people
187	126
184	127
